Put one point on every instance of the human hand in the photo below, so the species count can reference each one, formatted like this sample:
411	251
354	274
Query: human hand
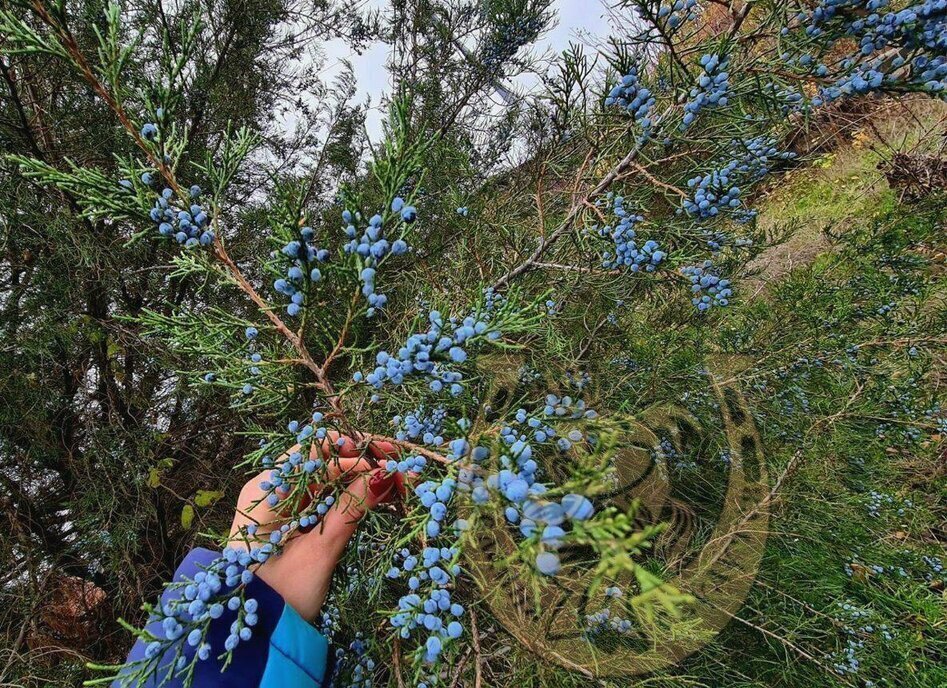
302	572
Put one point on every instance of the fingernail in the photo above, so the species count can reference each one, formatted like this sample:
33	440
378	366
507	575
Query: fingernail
399	484
381	483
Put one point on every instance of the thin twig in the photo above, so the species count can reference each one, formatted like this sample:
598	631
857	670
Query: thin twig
785	641
577	268
460	668
573	215
657	182
367	439
475	638
396	660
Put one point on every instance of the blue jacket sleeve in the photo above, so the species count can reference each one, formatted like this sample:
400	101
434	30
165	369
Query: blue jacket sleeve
285	650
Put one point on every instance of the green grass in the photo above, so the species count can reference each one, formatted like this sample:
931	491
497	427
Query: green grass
842	187
866	425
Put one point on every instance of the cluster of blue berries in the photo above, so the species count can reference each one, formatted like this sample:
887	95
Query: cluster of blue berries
711	89
517	486
428	354
717	240
302	268
757	156
886	308
329	622
527	375
603	620
877	501
707	288
373	246
216	590
625	362
463	211
679	12
935	566
846	661
876	569
856	82
719	191
628	253
297	470
632	97
581	379
805	62
364	666
537	427
713	192
542	519
254	358
190	226
417	424
789	98
856	624
564	407
885	35
435	612
508	37
435	497
665	452
493	301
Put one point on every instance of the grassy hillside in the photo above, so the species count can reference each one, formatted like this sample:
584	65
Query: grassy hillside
838	347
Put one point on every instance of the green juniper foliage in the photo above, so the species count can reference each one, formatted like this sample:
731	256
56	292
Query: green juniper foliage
194	294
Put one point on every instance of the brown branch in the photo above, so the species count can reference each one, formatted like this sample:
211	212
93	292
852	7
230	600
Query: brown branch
657	182
577	268
220	252
591	339
409	446
69	42
475	636
595	209
738	20
396	660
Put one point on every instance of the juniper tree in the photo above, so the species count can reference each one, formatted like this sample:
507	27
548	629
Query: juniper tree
323	322
99	438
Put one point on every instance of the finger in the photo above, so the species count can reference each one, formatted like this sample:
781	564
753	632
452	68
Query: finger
348	460
341	459
317	552
252	508
383	450
363	493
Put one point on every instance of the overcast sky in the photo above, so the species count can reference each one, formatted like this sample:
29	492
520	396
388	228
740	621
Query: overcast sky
578	21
